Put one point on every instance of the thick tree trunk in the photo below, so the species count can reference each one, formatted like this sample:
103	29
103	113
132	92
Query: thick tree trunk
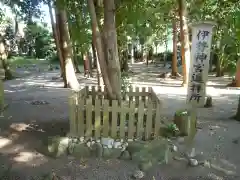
3	59
72	81
99	48
174	58
184	34
55	30
110	37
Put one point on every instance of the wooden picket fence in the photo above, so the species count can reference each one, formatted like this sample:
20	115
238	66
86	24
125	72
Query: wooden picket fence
136	116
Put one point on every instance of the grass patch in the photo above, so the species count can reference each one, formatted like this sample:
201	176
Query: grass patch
23	60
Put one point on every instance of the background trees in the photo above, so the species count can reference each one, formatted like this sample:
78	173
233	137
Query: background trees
113	32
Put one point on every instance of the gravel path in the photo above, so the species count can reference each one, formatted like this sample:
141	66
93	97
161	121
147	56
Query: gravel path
19	138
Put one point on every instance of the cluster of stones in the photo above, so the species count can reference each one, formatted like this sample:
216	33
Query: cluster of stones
144	153
104	147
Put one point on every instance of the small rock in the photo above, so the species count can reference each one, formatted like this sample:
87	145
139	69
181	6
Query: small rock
107	141
92	143
130	140
124	146
117	144
174	148
193	162
74	140
97	150
89	143
81	139
39	102
138	174
57	146
80	150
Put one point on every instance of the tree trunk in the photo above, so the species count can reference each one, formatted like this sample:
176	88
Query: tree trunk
219	68
184	34
100	51
75	61
55	30
110	38
132	53
174	58
99	76
86	64
3	58
237	76
237	116
94	56
90	64
124	61
71	78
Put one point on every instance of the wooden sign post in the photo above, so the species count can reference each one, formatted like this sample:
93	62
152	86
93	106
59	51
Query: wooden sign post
198	74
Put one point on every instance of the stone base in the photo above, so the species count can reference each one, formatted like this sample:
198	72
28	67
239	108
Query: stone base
144	153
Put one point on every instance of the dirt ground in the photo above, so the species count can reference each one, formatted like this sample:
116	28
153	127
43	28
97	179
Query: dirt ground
25	125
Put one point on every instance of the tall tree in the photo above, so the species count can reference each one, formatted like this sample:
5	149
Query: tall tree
99	48
184	34
110	38
66	46
55	31
3	58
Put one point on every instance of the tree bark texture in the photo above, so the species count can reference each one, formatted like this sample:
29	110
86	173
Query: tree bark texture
55	30
99	48
110	38
174	58
67	51
184	34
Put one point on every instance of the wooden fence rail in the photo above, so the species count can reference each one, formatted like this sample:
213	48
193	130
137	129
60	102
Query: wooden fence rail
92	115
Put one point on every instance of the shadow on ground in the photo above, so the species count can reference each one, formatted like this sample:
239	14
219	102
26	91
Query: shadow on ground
25	126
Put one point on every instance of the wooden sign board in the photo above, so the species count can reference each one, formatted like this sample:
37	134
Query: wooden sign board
199	65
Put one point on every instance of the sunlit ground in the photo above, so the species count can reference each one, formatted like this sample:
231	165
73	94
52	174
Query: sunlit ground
44	86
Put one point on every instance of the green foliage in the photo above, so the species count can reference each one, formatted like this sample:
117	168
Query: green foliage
143	22
172	128
182	112
22	60
39	38
165	55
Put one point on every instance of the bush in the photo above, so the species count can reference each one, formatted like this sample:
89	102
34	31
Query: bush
54	59
161	56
